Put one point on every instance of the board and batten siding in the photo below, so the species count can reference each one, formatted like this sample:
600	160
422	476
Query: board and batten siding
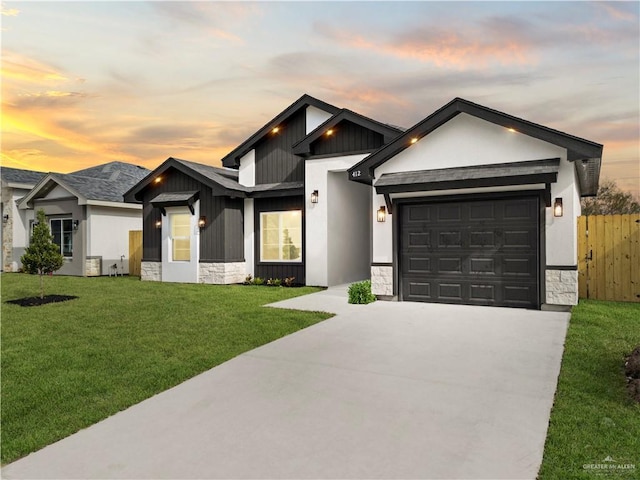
268	270
275	162
220	240
347	137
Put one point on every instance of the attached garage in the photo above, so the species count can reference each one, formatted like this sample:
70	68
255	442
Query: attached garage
483	251
475	206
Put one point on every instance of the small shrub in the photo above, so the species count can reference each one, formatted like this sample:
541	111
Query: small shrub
258	281
288	282
248	280
360	293
277	282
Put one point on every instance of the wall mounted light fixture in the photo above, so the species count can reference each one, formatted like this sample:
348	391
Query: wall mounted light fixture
314	196
557	207
158	224
202	222
75	224
5	218
382	214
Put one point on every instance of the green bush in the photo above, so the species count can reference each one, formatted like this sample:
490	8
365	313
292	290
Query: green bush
360	293
258	281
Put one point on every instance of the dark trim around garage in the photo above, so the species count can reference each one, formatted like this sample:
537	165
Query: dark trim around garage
561	267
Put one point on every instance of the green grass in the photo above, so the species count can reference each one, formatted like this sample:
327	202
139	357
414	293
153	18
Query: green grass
593	416
68	365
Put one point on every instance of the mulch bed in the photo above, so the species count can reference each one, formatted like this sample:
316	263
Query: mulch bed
632	371
37	301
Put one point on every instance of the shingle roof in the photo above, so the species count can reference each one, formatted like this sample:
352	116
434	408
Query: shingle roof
106	182
17	175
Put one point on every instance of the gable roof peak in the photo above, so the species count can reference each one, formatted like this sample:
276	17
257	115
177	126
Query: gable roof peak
232	159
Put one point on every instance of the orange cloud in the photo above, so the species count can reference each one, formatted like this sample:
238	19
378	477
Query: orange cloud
444	48
21	68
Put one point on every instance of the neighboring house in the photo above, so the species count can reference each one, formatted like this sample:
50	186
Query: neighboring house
88	217
457	209
16	183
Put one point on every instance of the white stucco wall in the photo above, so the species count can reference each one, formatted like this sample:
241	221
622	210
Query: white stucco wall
315	117
247	170
249	239
317	214
108	234
467	141
59	192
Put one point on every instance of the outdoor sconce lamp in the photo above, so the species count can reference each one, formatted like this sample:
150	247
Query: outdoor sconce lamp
314	196
382	214
5	218
75	224
557	207
158	224
202	222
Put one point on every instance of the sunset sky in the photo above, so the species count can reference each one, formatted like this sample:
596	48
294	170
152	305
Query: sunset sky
85	83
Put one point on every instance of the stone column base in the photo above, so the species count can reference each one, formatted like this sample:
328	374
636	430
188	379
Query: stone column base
151	271
382	280
561	287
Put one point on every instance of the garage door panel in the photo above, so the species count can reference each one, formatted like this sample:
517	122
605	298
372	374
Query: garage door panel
450	239
418	265
481	252
420	290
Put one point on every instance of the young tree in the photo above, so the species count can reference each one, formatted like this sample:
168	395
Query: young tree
42	256
611	200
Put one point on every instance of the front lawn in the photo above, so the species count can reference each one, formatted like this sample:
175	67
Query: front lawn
68	365
594	431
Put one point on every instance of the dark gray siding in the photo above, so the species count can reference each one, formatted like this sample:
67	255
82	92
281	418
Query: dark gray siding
222	238
279	270
234	231
347	137
275	162
68	208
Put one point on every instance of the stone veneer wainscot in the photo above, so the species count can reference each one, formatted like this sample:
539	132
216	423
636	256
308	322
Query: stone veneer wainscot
222	273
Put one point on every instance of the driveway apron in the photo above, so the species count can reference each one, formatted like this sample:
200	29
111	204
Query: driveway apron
385	390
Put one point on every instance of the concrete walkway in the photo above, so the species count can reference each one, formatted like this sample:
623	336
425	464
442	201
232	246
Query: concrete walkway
386	390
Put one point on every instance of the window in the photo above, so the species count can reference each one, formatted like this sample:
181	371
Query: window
281	236
62	231
180	237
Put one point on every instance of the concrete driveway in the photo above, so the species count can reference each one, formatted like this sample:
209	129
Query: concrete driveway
387	390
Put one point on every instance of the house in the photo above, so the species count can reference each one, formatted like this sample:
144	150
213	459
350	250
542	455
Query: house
88	217
16	183
470	205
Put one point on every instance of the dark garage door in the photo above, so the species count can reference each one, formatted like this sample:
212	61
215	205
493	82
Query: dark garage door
480	252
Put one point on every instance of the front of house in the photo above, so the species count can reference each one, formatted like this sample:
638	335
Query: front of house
457	209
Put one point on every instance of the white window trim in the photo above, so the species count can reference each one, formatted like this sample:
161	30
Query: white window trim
279	213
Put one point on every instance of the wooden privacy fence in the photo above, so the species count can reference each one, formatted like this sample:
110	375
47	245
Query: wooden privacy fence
609	257
135	252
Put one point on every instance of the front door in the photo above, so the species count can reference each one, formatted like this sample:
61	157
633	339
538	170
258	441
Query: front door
180	245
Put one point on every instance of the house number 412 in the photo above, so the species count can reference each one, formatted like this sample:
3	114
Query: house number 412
356	173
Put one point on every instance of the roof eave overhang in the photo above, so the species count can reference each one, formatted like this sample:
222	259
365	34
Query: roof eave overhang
133	195
546	178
